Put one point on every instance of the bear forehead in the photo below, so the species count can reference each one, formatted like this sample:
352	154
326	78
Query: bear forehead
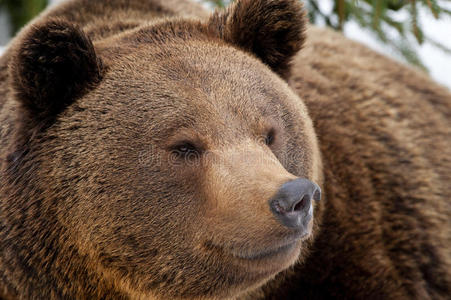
197	63
194	78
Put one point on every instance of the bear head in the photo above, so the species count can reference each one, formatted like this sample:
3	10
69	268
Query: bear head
163	156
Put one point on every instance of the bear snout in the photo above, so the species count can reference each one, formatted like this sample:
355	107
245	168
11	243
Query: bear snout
292	204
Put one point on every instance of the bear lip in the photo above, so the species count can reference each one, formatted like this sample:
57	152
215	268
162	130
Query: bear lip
267	253
279	249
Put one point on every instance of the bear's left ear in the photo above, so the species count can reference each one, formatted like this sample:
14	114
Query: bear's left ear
273	30
52	64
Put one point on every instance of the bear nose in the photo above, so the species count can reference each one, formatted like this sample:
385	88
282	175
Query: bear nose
292	205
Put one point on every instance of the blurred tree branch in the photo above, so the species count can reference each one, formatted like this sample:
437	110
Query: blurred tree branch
21	11
395	23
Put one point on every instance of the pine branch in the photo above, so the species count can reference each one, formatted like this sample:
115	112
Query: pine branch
21	11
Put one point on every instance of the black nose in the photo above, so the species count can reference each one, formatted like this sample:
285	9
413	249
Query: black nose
292	205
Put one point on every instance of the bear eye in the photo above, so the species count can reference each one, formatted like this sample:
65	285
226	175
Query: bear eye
270	137
186	150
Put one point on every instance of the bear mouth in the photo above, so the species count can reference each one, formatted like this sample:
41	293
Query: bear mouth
258	262
266	253
279	251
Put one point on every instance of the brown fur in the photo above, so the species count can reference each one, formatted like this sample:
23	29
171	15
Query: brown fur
98	202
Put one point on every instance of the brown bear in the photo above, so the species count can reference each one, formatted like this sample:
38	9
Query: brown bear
150	150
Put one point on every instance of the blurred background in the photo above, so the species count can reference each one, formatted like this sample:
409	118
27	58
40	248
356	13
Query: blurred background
416	32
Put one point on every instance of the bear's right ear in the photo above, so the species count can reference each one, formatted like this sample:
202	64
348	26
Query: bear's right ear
272	30
53	64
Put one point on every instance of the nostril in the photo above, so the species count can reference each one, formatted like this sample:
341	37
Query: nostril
300	204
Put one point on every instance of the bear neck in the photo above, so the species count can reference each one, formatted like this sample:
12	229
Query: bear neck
36	252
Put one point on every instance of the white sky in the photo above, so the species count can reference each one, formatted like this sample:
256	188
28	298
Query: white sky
437	61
